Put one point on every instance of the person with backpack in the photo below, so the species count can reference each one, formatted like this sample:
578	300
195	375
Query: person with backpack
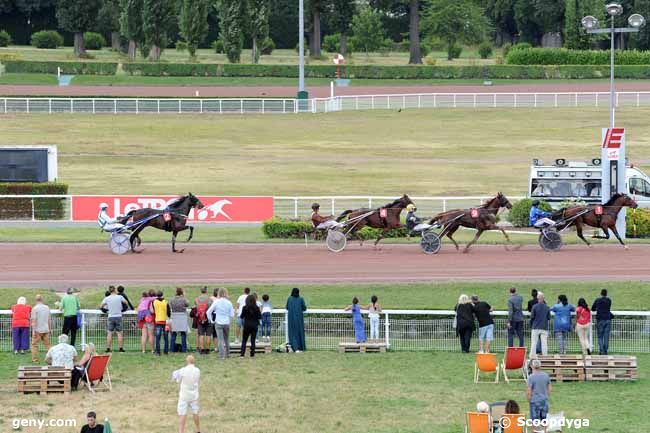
203	327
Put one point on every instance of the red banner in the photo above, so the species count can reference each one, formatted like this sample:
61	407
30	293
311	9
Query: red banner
216	209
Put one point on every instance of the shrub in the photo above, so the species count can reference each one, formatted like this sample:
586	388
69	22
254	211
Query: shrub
563	56
506	49
46	208
5	38
520	211
217	46
521	46
94	41
454	51
332	43
74	68
268	46
278	228
498	60
181	46
386	46
47	39
430	60
638	223
485	50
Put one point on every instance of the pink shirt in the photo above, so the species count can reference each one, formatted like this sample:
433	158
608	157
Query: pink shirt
583	316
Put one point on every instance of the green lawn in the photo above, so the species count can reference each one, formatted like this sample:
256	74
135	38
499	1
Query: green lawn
420	152
318	392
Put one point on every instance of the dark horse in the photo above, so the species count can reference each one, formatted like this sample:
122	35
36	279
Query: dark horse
386	217
481	218
589	215
172	219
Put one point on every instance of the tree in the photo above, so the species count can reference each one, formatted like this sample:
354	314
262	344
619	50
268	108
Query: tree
368	30
525	17
77	17
341	13
131	24
575	36
109	21
231	17
415	57
157	18
194	23
315	8
258	25
461	21
502	15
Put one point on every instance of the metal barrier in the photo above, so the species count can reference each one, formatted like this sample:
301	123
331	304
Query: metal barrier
401	330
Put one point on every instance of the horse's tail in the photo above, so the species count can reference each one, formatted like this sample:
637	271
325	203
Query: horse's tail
343	215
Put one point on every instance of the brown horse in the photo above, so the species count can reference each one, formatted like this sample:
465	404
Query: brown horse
589	215
386	217
481	218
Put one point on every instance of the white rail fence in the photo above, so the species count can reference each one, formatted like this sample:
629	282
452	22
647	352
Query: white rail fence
10	105
401	330
59	207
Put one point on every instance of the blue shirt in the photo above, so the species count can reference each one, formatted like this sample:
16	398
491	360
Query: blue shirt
538	383
535	214
562	318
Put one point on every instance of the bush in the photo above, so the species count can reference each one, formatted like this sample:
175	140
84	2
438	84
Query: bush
181	46
521	46
485	50
47	208
94	41
278	228
638	223
47	39
506	49
73	68
563	56
454	51
217	46
387	46
268	46
430	60
332	43
5	38
520	211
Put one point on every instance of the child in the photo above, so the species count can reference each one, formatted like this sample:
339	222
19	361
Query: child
120	291
373	314
267	308
357	321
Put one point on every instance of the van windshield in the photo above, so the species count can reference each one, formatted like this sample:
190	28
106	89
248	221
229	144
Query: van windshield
585	188
639	186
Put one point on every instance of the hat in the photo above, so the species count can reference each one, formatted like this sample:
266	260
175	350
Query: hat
103	206
535	203
70	291
315	206
410	207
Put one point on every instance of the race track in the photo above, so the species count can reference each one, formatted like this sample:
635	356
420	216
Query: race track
89	265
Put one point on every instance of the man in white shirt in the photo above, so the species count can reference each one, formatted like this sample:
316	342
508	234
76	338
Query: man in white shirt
223	313
241	301
107	223
62	354
188	395
114	304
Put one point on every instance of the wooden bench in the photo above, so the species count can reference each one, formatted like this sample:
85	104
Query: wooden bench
610	367
562	368
346	347
43	379
261	347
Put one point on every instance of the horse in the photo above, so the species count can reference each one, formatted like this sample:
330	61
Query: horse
386	217
171	219
482	218
599	216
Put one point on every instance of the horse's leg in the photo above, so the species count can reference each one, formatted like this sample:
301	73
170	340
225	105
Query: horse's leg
191	233
174	250
449	234
381	236
579	226
473	241
615	231
135	240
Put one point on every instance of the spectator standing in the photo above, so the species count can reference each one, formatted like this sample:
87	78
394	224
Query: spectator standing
145	320
296	308
357	321
203	328
20	313
162	312
114	303
223	314
538	391
188	395
178	305
267	310
251	316
92	426
515	318
41	326
482	312
374	309
70	306
122	293
241	301
539	318
464	322
583	323
62	354
602	307
531	303
562	321
215	340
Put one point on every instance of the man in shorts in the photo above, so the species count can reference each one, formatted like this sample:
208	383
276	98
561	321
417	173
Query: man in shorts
113	303
203	327
188	396
482	312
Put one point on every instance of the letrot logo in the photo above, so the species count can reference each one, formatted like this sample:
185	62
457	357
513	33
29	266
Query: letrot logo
214	210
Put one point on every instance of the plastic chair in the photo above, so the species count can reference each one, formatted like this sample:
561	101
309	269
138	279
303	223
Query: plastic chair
478	422
97	373
514	359
509	423
486	363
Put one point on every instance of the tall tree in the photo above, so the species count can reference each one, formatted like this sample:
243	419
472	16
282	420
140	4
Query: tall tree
258	25
527	24
315	8
131	24
368	30
109	21
77	17
341	13
157	17
231	18
575	36
194	23
415	57
502	15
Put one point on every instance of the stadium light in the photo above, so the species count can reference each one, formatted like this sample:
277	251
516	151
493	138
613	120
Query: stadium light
589	22
636	20
614	9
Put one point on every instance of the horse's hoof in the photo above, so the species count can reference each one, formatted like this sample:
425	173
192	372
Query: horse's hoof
180	251
506	247
465	251
517	247
626	247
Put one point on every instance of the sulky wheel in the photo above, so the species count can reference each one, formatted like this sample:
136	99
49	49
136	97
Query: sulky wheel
430	243
119	243
336	241
550	240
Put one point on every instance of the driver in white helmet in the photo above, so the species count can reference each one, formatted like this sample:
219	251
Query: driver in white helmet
107	223
412	220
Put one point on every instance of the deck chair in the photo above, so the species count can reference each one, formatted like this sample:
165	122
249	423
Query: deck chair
497	409
486	363
514	359
478	422
509	423
97	373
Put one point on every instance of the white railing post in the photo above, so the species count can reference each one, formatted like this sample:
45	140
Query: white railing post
180	106
515	99
356	103
403	102
114	106
295	208
137	107
5	105
556	100
49	105
83	330
369	202
27	105
286	327
93	105
597	98
241	106
419	101
220	107
33	213
616	99
71	105
474	97
535	100
262	106
284	106
576	99
495	100
372	102
158	105
387	330
454	100
333	205
637	98
201	106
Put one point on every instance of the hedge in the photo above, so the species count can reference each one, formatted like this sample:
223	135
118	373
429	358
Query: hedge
74	68
520	212
280	228
21	208
563	56
638	223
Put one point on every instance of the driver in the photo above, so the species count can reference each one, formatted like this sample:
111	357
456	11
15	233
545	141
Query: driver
412	220
539	218
107	223
319	221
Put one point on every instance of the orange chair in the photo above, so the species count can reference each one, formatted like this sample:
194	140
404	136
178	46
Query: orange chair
97	373
509	423
486	363
514	359
478	422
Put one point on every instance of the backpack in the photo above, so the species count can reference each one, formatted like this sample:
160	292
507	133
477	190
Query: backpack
201	313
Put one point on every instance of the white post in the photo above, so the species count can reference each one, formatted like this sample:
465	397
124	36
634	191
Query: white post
301	46
535	100
5	105
33	213
388	102
474	97
454	100
444	205
114	106
201	105
556	100
419	101
637	99
158	105
387	330
28	105
515	95
180	106
331	89
93	105
576	99
58	72
403	102
333	205
369	202
220	107
137	108
495	100
295	207
286	327
356	102
241	106
83	329
71	105
49	105
262	106
372	102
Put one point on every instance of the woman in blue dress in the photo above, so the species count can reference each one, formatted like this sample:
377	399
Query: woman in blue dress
357	321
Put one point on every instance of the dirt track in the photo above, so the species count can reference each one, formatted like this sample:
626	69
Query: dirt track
89	265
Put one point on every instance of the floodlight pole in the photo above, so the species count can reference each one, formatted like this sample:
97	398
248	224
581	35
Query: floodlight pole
611	75
301	46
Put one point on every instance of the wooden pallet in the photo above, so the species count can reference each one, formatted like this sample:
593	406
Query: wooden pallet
610	361
345	347
261	347
563	368
43	380
611	374
566	374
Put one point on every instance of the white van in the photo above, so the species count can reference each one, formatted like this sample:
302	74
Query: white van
566	180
